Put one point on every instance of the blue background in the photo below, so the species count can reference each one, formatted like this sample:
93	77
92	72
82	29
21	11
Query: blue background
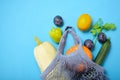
21	20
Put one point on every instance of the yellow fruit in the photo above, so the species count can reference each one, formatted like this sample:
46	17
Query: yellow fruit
84	22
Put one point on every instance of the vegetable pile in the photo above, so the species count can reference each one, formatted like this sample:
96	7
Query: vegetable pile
97	30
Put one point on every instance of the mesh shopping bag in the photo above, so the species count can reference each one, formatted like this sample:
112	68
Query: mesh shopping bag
75	66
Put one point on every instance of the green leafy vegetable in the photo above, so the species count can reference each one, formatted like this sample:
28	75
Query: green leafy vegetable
98	27
108	26
100	22
99	30
94	32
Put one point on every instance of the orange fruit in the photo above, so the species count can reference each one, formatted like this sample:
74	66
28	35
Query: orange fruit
87	52
84	22
85	49
72	49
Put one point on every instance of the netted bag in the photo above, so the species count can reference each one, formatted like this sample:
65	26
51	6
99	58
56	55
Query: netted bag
75	66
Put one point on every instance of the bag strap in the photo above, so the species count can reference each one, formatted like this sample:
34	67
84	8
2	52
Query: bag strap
70	30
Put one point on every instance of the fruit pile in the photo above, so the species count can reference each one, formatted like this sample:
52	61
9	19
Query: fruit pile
84	23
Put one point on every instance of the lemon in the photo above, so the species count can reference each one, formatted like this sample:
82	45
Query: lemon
84	22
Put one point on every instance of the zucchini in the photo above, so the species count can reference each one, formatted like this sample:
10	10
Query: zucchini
103	52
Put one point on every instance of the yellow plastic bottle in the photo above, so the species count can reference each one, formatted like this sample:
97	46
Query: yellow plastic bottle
44	53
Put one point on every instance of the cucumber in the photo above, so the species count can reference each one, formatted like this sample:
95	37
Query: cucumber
103	52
